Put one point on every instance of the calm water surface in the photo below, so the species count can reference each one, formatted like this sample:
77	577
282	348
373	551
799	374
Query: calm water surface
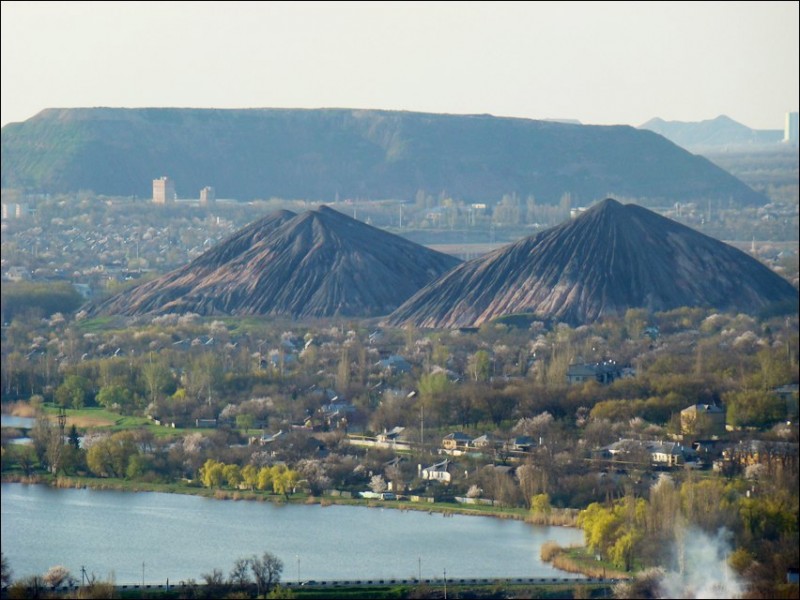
182	537
17	422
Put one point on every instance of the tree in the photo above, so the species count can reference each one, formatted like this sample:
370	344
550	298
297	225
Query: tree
215	584
240	573
46	437
266	571
73	392
32	586
433	385
754	408
109	457
233	475
58	576
479	366
212	473
283	480
156	376
244	422
250	476
74	439
264	478
116	397
343	371
540	506
5	570
377	484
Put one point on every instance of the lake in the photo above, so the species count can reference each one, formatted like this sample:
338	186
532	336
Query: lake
16	422
177	537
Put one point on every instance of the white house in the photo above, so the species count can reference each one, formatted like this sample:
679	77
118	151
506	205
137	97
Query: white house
438	472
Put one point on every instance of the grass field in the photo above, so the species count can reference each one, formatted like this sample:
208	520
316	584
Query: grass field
100	418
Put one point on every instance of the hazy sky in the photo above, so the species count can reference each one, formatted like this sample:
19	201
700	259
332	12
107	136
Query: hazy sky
599	62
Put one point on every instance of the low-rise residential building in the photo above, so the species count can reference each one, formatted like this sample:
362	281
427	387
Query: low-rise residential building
703	419
438	472
456	441
602	372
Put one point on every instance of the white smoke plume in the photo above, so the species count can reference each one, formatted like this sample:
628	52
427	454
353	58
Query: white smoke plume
702	567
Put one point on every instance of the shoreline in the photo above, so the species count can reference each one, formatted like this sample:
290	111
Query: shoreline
561	562
557	518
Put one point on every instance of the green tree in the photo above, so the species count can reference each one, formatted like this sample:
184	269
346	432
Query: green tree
264	478
540	505
109	457
283	480
138	465
433	385
156	376
244	421
212	473
74	439
754	408
74	392
250	476
479	364
232	475
116	397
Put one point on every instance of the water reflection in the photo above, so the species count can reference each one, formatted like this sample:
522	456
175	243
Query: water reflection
181	537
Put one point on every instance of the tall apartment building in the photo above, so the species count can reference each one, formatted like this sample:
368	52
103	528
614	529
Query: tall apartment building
207	195
15	210
790	128
163	190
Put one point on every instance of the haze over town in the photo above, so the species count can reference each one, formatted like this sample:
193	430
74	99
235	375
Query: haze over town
597	62
421	295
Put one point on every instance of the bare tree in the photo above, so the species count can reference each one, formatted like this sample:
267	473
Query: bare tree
240	574
215	585
267	571
6	570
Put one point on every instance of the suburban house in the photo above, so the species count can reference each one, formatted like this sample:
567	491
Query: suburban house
438	472
395	364
603	372
485	441
667	454
521	443
658	453
456	441
336	409
391	436
703	419
267	438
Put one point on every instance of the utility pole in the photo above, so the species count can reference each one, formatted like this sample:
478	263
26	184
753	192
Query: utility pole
62	421
142	573
422	424
445	584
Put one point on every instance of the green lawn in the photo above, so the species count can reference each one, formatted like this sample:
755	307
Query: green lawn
101	418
